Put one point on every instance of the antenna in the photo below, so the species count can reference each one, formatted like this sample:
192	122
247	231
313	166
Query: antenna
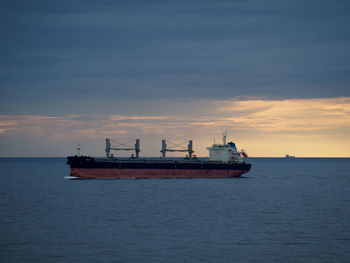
224	137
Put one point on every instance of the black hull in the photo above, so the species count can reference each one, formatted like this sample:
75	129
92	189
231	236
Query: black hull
96	163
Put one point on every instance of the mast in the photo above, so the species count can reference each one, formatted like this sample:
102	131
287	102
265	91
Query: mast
78	149
136	148
189	149
224	137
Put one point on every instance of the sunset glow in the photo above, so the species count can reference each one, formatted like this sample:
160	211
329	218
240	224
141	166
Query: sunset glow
272	128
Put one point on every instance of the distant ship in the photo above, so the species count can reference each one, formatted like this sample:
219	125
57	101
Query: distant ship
224	162
289	156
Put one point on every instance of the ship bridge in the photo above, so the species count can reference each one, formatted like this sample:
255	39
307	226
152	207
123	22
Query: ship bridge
226	152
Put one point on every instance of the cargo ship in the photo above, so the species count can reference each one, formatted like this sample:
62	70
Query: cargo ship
224	161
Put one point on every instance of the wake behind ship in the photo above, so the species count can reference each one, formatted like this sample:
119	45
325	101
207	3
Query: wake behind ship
224	162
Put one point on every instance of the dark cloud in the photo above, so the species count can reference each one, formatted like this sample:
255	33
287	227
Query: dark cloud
120	50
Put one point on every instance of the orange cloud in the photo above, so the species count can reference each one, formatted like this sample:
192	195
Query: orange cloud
121	117
303	127
287	115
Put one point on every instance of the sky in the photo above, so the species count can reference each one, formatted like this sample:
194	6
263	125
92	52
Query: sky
274	74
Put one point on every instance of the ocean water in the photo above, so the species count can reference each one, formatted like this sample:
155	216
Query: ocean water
284	210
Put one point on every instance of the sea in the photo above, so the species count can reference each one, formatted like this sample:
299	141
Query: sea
283	210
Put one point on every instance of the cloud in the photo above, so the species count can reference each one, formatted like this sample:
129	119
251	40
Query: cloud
256	122
124	118
288	115
126	50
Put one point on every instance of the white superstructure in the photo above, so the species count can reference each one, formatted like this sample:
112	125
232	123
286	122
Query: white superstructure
226	152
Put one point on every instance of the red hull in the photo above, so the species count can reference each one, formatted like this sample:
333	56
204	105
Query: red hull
105	173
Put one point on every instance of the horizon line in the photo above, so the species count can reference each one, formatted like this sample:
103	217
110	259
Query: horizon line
277	157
